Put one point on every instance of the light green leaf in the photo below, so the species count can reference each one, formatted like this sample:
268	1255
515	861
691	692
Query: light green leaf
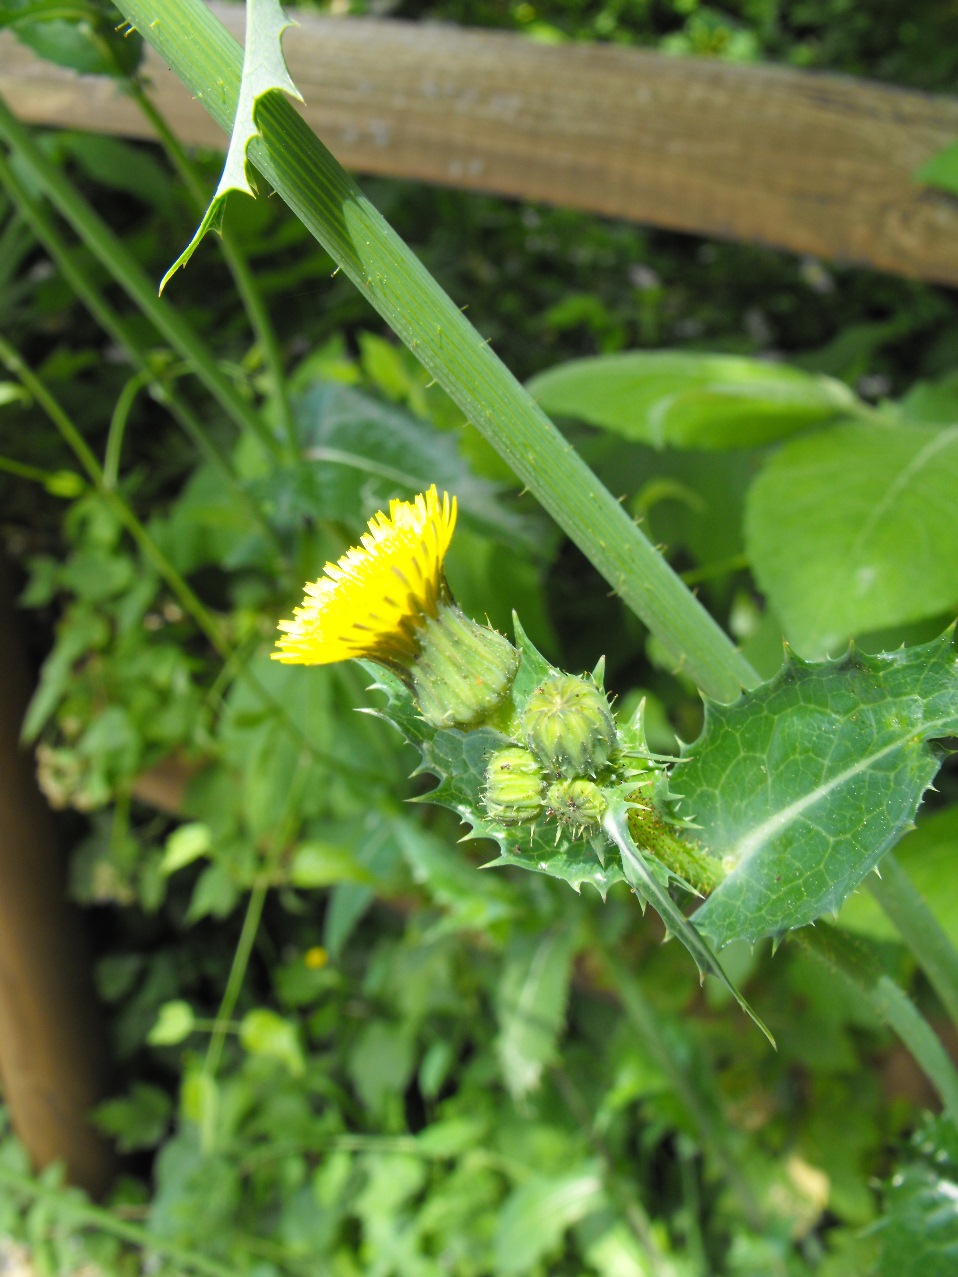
856	529
264	71
681	400
320	864
801	785
263	1032
537	1214
531	1005
184	845
174	1024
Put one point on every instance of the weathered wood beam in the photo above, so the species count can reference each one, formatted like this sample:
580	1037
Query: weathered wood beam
813	163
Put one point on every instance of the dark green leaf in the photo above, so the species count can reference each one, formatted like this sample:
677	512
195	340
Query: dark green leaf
359	452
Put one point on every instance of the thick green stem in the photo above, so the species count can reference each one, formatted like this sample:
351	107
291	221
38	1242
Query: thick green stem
331	206
920	930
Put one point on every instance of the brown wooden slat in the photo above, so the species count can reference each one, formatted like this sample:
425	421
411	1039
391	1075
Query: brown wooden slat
814	163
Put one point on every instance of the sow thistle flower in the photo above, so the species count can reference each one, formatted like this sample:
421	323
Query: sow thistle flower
387	600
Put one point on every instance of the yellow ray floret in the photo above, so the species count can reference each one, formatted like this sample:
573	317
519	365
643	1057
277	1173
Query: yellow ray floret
373	600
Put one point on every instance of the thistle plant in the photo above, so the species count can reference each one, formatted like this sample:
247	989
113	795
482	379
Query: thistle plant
529	756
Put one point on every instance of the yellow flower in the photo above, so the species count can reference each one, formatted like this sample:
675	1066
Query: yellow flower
375	599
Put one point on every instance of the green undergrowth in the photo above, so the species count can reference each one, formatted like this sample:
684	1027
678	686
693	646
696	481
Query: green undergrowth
340	1044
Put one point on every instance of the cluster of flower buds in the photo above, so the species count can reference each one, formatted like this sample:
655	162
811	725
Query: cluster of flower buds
566	746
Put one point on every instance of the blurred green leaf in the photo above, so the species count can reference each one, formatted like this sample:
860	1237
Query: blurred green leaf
81	34
263	1032
320	864
359	452
856	529
174	1024
184	845
929	856
136	1120
941	170
919	1231
538	1212
531	1005
679	400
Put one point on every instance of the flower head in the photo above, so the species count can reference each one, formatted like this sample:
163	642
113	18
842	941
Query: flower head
374	600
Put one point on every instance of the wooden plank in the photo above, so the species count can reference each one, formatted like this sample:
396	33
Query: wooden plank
814	163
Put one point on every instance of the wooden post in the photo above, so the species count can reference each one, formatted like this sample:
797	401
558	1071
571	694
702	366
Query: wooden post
800	160
52	1053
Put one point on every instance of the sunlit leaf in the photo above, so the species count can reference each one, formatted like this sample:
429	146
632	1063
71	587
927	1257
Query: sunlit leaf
856	529
683	400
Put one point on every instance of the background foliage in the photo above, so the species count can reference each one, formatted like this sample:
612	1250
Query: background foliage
336	1043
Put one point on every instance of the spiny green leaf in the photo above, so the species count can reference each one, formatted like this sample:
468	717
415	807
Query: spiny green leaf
684	400
801	785
264	70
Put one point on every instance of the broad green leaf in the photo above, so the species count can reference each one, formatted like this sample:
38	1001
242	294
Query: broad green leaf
138	1119
931	402
681	400
856	529
263	1032
919	1229
531	1005
801	785
264	71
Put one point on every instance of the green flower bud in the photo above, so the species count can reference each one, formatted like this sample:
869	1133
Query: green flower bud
514	783
569	727
463	671
578	803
